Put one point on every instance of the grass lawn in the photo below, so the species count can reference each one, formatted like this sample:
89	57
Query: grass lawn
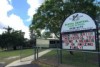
49	59
79	59
16	53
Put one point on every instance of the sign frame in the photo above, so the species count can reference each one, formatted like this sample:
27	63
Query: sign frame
81	31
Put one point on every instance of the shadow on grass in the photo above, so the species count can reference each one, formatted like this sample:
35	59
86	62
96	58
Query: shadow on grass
79	59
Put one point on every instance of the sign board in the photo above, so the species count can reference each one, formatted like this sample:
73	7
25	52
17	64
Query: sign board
42	43
76	34
78	22
79	41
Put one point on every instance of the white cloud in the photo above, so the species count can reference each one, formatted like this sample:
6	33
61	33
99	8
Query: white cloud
13	20
3	11
34	4
5	7
10	1
17	23
1	30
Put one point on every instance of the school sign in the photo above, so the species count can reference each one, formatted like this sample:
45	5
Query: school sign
78	32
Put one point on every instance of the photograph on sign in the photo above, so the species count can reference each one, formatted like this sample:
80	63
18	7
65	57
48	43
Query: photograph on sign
83	41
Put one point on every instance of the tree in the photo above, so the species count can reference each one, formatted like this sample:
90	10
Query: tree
38	33
8	29
32	40
46	35
52	13
11	39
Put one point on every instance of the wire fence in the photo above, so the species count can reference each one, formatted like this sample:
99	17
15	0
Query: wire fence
56	57
67	58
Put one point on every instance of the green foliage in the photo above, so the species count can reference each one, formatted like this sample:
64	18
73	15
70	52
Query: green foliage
38	33
52	13
12	39
46	35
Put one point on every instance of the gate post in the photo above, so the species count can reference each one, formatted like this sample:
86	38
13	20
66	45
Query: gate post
98	45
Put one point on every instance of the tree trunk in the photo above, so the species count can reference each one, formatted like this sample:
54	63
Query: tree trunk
71	52
14	48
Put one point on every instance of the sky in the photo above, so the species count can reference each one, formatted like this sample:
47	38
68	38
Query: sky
18	14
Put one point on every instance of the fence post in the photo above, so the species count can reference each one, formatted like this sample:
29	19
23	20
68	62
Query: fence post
97	37
20	53
61	56
35	53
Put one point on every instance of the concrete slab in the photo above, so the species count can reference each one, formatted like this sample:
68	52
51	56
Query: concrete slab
26	60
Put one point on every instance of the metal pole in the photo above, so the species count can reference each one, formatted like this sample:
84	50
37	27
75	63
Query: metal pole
98	39
98	47
60	49
37	53
57	53
61	56
20	52
33	52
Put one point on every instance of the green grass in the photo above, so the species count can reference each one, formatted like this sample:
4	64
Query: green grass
16	53
79	59
45	65
20	53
